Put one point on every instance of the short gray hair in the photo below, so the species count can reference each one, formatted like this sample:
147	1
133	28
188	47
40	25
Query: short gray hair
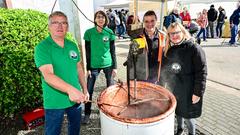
56	13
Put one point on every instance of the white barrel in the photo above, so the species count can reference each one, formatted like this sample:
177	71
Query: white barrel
158	124
110	126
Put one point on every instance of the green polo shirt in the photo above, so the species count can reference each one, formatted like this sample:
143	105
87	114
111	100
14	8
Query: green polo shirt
100	46
64	61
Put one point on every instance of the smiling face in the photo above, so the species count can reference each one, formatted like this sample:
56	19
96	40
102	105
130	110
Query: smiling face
58	26
149	23
175	34
100	19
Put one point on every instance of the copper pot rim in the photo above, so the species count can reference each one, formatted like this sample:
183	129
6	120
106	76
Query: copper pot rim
164	91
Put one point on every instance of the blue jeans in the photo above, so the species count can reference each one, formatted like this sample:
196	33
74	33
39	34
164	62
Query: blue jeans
202	30
120	29
54	119
219	29
191	124
91	82
234	31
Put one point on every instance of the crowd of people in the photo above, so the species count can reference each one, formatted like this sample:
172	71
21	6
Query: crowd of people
177	55
211	22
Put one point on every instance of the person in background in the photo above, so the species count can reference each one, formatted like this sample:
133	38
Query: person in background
202	22
174	16
220	21
131	20
234	21
112	20
100	55
63	79
212	15
184	72
121	26
186	18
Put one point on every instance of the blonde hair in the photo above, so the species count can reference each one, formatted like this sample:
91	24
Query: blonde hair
186	35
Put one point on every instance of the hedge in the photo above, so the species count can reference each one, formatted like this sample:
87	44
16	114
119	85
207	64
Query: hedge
20	31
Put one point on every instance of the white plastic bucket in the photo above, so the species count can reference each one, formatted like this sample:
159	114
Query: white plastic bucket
111	124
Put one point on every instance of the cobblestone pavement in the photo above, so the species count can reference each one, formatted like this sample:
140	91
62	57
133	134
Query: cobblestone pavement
221	110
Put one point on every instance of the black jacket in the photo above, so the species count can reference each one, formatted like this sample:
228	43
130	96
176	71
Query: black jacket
234	18
184	72
212	14
221	17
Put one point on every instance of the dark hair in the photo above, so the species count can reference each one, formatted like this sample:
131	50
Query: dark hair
56	13
103	14
150	13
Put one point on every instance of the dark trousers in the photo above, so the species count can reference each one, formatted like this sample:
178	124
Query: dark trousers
91	82
211	26
219	29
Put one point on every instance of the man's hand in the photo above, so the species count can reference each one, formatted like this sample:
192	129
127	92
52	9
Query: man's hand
76	96
195	99
86	94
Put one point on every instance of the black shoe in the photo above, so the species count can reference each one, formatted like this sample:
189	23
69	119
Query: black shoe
86	120
179	132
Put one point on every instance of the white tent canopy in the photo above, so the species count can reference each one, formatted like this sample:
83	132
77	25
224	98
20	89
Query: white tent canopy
117	4
196	1
204	1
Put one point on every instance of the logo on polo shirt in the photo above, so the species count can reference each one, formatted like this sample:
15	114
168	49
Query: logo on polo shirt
73	55
105	39
176	68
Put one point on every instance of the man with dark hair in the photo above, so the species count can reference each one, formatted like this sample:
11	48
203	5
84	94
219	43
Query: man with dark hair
212	17
234	21
149	57
63	79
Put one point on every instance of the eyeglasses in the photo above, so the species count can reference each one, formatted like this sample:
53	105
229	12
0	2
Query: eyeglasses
58	23
174	33
151	21
100	17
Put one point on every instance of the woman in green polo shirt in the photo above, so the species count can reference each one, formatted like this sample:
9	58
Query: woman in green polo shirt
100	55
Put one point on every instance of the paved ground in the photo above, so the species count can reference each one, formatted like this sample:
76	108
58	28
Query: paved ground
221	110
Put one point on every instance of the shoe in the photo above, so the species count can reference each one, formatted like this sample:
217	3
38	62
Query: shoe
179	131
86	120
233	44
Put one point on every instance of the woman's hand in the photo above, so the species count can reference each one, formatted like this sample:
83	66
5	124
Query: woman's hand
195	99
114	73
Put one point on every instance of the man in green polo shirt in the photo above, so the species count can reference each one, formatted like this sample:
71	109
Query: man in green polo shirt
63	79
